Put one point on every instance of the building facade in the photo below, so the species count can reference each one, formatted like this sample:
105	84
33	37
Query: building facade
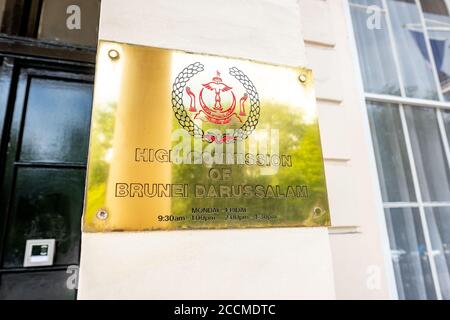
380	71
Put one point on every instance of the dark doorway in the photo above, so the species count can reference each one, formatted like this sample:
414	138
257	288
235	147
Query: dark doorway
46	86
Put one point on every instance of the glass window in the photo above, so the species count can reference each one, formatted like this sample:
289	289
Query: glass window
70	21
410	145
58	113
367	2
439	226
409	254
378	69
429	155
417	72
390	150
446	117
438	26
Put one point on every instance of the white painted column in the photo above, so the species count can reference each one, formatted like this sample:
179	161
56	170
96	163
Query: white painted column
289	263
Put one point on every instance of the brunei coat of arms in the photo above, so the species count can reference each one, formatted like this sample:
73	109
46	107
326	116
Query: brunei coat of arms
216	107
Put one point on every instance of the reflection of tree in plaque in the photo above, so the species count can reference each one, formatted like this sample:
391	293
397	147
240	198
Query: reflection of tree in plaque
301	141
103	133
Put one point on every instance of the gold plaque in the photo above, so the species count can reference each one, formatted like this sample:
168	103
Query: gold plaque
189	141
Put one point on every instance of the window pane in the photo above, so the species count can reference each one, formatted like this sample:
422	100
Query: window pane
439	226
57	121
367	2
438	24
432	166
409	255
394	170
446	117
61	20
375	55
417	72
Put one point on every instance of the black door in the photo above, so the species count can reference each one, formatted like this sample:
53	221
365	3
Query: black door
47	60
43	176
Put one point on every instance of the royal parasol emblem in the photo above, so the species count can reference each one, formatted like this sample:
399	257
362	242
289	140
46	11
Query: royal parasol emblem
221	109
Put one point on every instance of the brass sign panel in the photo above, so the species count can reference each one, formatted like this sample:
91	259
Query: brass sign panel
190	141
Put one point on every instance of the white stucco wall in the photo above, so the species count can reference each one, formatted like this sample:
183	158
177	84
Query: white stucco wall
232	264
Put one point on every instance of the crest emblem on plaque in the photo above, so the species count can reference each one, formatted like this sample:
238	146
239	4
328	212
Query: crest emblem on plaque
222	102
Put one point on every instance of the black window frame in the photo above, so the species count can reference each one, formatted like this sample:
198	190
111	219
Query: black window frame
18	32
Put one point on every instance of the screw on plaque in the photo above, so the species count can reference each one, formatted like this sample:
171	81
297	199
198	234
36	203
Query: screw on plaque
317	211
113	54
102	214
303	78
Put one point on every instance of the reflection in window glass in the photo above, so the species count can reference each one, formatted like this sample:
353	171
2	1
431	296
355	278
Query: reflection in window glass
367	2
378	69
446	117
417	72
56	121
429	155
404	219
438	25
409	255
439	226
390	151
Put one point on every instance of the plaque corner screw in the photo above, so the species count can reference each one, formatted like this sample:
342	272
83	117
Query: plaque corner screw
102	214
317	211
302	78
113	54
